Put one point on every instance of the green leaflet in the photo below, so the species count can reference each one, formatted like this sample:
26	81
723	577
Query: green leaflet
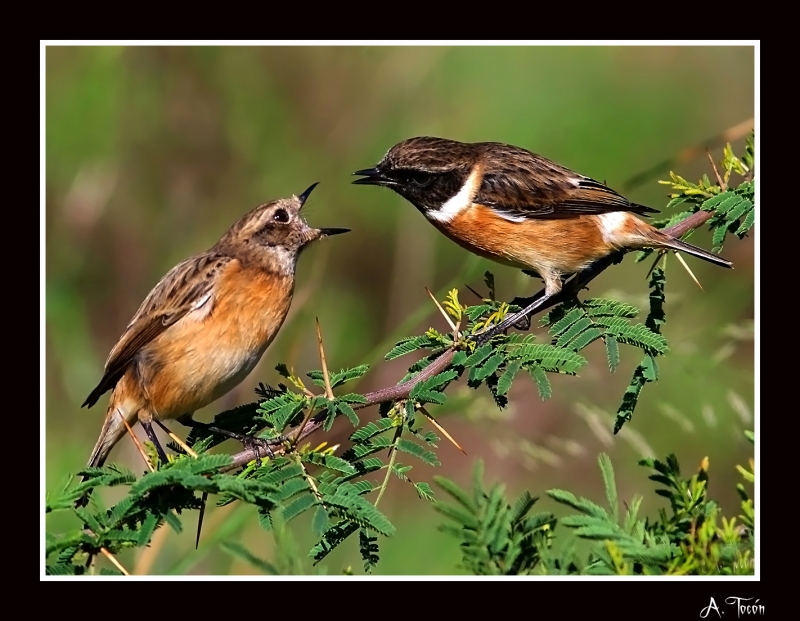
433	382
407	345
612	352
505	380
412	448
338	378
371	429
542	381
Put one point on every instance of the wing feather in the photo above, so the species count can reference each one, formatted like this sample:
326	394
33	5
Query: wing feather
185	287
521	184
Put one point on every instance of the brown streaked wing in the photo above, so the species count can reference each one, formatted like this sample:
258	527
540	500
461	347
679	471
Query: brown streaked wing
527	185
172	298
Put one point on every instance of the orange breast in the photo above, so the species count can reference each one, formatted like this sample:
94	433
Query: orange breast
548	246
202	357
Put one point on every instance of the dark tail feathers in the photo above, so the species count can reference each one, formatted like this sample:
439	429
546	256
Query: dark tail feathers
677	244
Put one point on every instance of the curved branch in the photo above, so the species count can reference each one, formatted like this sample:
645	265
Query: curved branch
391	393
402	391
697	219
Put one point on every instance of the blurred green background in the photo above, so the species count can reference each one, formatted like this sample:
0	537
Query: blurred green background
152	152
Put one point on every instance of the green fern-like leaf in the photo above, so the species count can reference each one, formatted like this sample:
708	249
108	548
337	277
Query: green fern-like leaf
368	546
409	344
478	356
412	448
542	381
434	382
371	429
147	529
574	329
320	521
339	377
581	504
330	461
457	493
549	357
565	322
488	368
640	336
359	510
505	380
298	506
332	538
424	491
346	409
358	451
522	505
612	352
747	224
607	470
584	338
289	489
599	307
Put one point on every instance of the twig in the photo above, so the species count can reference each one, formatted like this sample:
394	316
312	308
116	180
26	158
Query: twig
688	269
440	428
326	377
660	255
385	483
390	393
176	439
107	554
696	220
114	560
441	310
722	184
309	479
477	295
136	442
328	389
403	390
200	515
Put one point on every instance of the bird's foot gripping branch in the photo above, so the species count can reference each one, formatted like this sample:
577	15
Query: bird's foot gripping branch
342	490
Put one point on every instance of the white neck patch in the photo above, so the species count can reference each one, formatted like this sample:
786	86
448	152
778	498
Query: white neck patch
462	200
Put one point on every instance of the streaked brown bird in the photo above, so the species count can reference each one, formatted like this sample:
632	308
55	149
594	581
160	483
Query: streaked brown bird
518	208
206	324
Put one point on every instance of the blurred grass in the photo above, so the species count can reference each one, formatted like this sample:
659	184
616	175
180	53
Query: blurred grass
152	152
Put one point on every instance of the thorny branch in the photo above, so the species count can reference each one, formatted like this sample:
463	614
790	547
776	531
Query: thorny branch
391	393
440	364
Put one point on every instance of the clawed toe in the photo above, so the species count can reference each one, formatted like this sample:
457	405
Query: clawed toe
523	324
252	443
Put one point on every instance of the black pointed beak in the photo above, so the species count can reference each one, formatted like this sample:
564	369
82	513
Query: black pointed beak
330	232
372	176
304	196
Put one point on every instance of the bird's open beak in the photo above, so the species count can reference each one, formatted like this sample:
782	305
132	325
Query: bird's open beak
304	196
371	176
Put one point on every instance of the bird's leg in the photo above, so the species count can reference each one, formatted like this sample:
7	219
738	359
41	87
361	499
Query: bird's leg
510	320
151	434
524	323
584	277
541	301
251	443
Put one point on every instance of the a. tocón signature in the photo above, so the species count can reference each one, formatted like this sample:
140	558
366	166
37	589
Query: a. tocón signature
744	606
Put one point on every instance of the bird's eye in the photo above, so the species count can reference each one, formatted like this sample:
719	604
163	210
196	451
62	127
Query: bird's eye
418	178
280	216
